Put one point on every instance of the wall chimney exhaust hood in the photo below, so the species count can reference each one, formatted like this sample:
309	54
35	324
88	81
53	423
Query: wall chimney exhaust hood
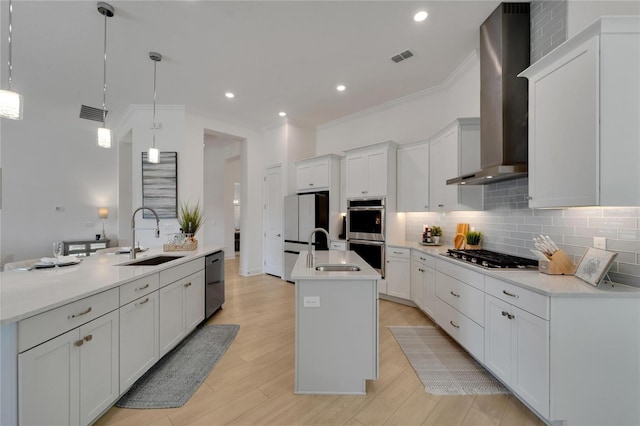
504	53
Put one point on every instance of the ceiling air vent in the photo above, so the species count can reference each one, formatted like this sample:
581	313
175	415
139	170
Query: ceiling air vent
91	113
402	56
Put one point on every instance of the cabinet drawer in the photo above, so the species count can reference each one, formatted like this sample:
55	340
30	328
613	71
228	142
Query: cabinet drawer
398	252
527	300
465	331
40	328
178	272
461	273
466	299
425	259
138	288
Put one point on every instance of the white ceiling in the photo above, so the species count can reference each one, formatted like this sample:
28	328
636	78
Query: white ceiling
274	56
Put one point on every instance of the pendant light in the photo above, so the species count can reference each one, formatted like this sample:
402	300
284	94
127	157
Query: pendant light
104	134
154	153
10	101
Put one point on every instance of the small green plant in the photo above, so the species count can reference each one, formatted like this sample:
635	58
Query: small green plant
473	237
436	231
190	218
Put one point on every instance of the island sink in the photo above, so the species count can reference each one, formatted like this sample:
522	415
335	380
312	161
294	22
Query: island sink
151	261
337	268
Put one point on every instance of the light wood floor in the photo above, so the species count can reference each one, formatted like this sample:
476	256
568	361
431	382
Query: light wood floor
253	382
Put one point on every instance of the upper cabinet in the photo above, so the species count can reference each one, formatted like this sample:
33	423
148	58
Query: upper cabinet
371	171
584	105
455	150
413	177
316	174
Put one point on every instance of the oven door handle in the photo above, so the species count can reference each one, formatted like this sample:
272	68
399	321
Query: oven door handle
368	208
367	242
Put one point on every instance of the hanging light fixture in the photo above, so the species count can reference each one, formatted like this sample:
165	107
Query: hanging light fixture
104	134
154	153
10	102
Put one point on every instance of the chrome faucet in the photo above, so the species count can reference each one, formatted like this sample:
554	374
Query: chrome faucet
309	254
132	252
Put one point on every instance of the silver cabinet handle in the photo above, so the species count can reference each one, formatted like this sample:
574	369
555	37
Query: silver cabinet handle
508	315
79	342
510	294
142	288
310	184
420	269
453	294
422	258
79	314
397	252
88	338
440	205
365	192
454	324
187	285
143	302
277	235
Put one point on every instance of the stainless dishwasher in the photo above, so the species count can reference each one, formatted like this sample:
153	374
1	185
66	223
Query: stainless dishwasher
214	283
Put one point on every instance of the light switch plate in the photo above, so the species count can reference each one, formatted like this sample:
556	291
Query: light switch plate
311	301
600	243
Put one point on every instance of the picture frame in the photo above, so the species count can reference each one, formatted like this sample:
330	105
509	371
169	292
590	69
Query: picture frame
594	265
160	186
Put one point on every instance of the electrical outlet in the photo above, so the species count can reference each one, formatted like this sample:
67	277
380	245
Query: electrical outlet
59	208
311	301
168	227
600	243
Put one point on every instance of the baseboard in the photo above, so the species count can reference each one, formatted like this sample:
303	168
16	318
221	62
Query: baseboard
397	300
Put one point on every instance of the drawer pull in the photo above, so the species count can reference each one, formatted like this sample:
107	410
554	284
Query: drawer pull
440	205
143	302
79	343
310	184
454	324
187	285
454	294
397	252
143	287
510	294
420	269
423	258
508	315
88	338
79	314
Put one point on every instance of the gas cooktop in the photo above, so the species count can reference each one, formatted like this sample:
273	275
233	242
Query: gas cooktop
492	259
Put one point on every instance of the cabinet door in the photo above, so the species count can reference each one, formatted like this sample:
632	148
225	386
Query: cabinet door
319	175
429	285
417	284
48	382
413	178
356	176
563	131
171	316
99	378
193	300
398	276
437	175
450	167
377	174
303	177
139	338
497	337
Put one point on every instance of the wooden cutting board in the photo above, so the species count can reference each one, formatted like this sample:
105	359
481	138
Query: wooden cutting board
459	238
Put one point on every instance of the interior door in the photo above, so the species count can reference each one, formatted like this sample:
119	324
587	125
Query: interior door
273	199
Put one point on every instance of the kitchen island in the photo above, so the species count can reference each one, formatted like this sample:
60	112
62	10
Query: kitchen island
336	325
75	338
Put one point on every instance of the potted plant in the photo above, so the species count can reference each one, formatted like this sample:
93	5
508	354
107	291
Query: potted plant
473	239
436	233
190	219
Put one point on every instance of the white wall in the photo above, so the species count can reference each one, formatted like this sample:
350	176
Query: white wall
582	13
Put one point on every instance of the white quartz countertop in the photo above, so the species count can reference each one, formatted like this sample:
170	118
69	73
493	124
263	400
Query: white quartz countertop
27	293
323	257
549	285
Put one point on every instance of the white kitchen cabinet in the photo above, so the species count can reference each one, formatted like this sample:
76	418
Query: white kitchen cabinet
423	282
139	338
398	272
72	378
317	174
583	119
413	178
371	171
453	151
181	309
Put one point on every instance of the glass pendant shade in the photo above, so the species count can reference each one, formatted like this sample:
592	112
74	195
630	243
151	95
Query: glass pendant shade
10	105
153	156
104	137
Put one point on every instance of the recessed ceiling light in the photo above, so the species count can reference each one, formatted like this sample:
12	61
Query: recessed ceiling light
282	114
420	16
230	95
341	88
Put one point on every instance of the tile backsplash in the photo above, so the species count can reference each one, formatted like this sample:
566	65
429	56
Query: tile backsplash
509	227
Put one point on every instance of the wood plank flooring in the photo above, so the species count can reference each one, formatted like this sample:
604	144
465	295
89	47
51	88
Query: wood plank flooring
253	382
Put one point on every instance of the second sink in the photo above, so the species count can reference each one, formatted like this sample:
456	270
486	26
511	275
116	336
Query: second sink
151	261
337	268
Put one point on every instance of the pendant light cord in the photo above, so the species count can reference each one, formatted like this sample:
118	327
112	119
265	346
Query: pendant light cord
10	66
104	86
155	63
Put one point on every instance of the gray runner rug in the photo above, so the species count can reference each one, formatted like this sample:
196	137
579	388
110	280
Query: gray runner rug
442	366
172	380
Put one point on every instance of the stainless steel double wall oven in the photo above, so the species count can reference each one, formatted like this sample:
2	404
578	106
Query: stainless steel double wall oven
366	230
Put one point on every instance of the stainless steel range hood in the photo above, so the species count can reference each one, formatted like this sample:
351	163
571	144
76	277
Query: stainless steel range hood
504	53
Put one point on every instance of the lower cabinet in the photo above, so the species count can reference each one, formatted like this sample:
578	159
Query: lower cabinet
423	283
181	309
72	378
398	272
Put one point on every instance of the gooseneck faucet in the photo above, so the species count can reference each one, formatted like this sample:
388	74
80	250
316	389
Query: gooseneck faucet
309	254
132	252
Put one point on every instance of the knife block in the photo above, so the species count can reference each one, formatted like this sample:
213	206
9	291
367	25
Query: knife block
559	264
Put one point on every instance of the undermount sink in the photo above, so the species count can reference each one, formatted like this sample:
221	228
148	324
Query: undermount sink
337	268
151	261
